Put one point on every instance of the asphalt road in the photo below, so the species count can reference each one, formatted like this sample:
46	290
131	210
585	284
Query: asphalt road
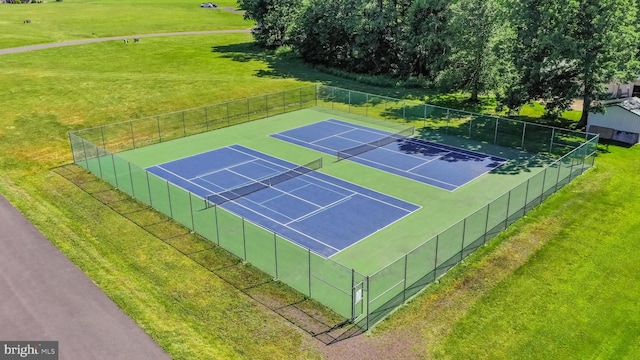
45	297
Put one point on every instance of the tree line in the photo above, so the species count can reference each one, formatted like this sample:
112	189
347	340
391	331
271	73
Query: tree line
520	51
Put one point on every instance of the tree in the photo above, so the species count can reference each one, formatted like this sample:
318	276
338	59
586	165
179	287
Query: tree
326	32
473	64
377	48
426	41
605	41
571	48
274	20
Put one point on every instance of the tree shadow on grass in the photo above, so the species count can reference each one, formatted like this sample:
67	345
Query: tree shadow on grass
288	67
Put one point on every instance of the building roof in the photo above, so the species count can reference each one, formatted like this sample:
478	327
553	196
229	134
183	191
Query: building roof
631	104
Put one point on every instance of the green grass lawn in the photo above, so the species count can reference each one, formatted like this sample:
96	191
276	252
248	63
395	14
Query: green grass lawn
557	284
82	19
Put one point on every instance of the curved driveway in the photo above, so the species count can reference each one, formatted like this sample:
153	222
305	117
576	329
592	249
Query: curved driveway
94	40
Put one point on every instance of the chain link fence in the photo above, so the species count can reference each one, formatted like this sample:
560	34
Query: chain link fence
364	299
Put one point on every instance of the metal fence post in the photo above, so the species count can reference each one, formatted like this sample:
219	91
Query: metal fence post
115	172
526	197
215	214
133	190
248	110
584	158
84	150
506	218
524	130
559	161
553	135
275	250
424	123
486	224
228	116
333	96
495	136
149	189
353	295
244	240
99	163
366	106
184	125
104	144
169	194
159	132
133	138
349	102
446	128
266	103
309	259
368	303
206	117
300	98
73	149
544	180
193	223
435	261
404	286
404	110
464	230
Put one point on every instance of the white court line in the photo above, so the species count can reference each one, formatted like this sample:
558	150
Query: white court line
310	174
426	162
292	229
287	192
400	170
266	207
314	123
328	137
330	150
223	169
378	230
282	193
358	126
440	146
178	176
251	180
321	209
294	196
420	157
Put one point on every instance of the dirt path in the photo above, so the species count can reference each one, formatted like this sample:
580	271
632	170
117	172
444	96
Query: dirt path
95	40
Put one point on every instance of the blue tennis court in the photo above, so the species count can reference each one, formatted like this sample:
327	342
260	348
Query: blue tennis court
444	166
314	210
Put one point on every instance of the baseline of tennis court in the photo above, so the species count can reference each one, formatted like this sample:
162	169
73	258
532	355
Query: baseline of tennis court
444	166
314	210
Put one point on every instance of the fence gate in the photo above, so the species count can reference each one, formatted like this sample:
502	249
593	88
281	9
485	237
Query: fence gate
358	300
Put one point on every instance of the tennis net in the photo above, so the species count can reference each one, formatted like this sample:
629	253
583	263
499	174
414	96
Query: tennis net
362	148
240	191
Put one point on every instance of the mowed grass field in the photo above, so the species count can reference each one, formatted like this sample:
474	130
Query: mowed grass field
560	283
84	19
